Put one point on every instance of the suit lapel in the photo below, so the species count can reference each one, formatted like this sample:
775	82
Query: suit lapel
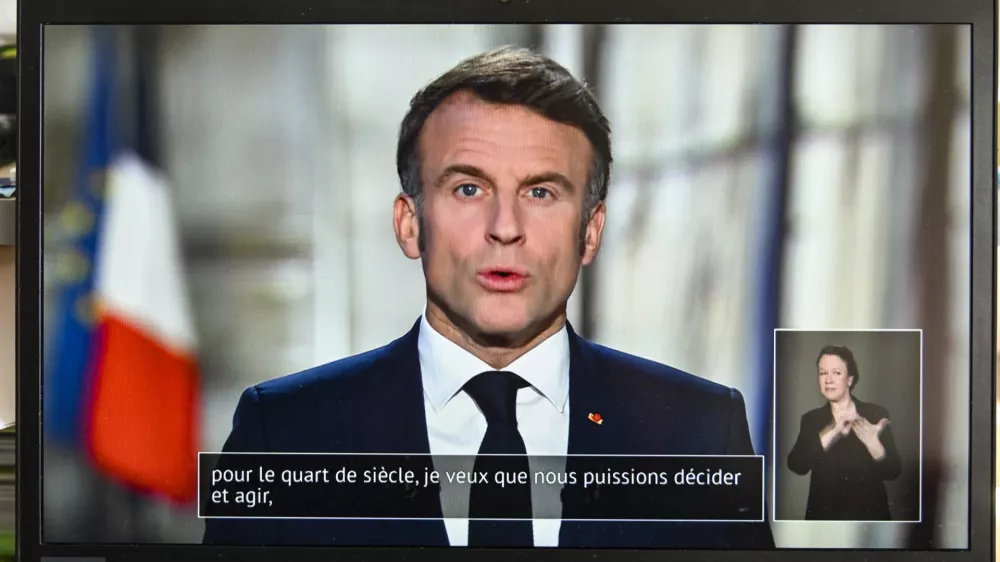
588	395
403	429
403	395
590	401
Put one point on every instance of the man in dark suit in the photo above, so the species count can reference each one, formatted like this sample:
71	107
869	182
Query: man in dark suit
504	163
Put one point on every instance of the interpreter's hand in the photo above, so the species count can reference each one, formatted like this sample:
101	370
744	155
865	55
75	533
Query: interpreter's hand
844	423
869	434
840	428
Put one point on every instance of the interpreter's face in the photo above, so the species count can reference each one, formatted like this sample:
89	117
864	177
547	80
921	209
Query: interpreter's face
504	191
834	382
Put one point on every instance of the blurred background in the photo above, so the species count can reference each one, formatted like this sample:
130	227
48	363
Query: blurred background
766	176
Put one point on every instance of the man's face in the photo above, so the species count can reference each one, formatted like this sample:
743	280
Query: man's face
504	190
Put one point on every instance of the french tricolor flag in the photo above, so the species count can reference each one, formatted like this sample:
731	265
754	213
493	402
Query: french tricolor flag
142	407
121	383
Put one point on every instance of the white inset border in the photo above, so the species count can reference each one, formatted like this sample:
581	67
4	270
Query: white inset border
774	425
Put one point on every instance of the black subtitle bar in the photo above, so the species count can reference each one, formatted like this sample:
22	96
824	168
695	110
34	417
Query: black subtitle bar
366	486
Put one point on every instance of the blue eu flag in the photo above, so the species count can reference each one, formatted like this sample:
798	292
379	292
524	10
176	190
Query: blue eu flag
68	352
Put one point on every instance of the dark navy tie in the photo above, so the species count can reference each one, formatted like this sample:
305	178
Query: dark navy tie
495	392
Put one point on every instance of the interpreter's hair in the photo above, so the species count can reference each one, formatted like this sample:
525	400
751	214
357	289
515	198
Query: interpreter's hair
846	356
512	76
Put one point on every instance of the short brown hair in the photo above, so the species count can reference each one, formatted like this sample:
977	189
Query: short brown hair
514	76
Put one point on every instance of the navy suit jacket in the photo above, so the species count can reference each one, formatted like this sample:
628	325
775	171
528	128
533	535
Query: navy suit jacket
374	403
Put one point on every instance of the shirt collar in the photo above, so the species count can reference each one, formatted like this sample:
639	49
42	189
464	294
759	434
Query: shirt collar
445	367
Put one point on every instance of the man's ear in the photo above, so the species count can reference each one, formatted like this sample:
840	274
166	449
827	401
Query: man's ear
406	225
592	235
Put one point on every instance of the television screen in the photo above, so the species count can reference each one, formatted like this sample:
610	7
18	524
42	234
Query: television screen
607	286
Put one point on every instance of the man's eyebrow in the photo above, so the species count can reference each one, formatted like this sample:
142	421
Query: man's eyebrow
549	177
479	173
463	170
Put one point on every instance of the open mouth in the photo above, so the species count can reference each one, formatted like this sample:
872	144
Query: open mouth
502	279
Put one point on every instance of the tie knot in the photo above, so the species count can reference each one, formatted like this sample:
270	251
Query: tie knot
495	392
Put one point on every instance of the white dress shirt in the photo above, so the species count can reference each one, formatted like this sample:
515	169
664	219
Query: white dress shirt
455	426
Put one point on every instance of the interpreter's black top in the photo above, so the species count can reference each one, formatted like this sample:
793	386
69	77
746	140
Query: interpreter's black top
846	484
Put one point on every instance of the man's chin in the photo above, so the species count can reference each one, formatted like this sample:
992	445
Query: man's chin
502	325
495	328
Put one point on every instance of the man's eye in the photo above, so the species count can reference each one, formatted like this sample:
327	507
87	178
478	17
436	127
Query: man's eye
540	192
468	189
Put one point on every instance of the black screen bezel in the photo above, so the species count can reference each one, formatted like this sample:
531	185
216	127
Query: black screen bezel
35	14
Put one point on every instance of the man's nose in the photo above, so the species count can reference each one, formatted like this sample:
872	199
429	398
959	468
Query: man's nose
506	225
